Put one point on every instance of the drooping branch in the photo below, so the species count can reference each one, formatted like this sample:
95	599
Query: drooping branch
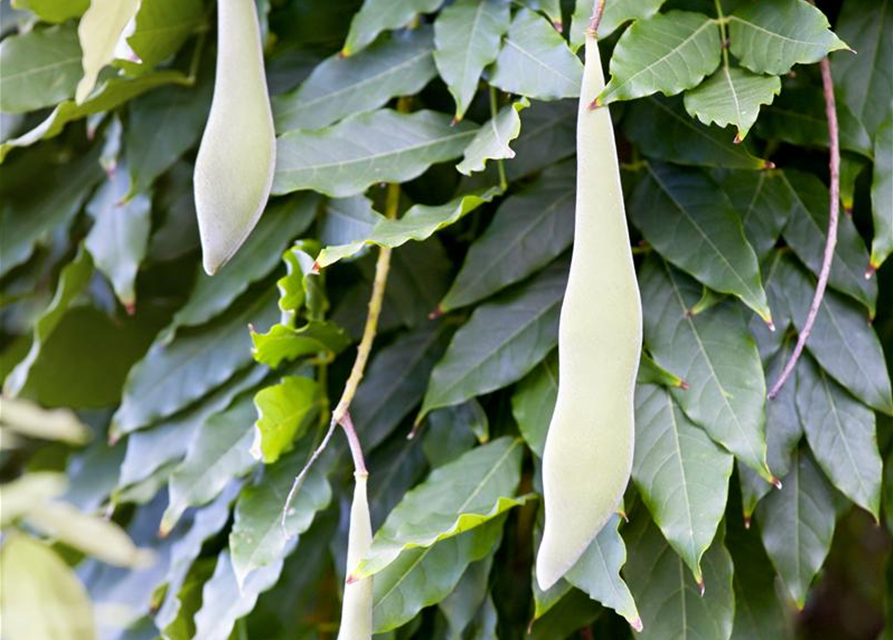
831	241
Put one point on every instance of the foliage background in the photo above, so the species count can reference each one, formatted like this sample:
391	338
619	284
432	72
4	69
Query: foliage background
105	311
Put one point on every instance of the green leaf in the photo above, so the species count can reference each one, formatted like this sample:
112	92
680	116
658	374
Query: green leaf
72	281
457	497
99	32
714	353
535	61
669	52
419	223
491	142
380	146
670	601
258	537
773	36
841	433
529	230
119	236
597	572
548	135
451	431
807	229
54	11
40	68
162	26
843	343
380	15
614	15
340	87
284	413
174	375
571	613
48	600
661	129
460	607
421	577
732	96
30	491
281	223
533	402
797	525
500	343
691	223
467	36
764	203
681	474
882	194
30	218
348	220
285	343
219	453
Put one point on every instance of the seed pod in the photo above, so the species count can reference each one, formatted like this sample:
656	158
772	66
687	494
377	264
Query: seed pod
237	156
589	446
356	610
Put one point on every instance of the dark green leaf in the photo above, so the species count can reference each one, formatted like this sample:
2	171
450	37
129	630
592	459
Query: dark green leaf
161	27
534	401
615	13
882	194
548	135
460	607
380	15
764	203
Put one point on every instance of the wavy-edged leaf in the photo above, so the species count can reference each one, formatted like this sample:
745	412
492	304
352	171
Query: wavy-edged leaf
99	31
501	342
492	140
457	497
614	15
797	525
670	601
380	15
732	96
340	87
285	343
667	53
712	351
467	36
284	413
258	537
379	146
174	375
661	129
280	224
882	193
419	223
681	474
597	572
807	229
764	204
841	434
40	68
691	223
535	61
774	35
529	230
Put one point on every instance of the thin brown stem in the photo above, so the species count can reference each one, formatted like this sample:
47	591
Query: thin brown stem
831	241
596	18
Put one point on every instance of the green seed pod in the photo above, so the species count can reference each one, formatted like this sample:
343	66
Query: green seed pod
237	156
356	610
589	446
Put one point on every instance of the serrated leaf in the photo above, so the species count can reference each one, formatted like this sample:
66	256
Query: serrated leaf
661	129
681	474
119	236
691	223
99	31
773	36
422	577
732	96
40	68
669	600
457	497
380	146
535	61
174	375
54	11
500	343
285	343
492	140
715	354
841	434
467	36
280	224
529	230
797	525
597	572
284	413
340	87
614	15
72	281
380	15
807	229
667	53
882	194
764	204
161	27
259	537
419	223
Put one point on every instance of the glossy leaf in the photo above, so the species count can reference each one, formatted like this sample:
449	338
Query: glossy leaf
284	413
284	343
40	68
492	140
379	15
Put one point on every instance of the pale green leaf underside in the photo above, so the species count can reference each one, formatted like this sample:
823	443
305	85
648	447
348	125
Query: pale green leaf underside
491	142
